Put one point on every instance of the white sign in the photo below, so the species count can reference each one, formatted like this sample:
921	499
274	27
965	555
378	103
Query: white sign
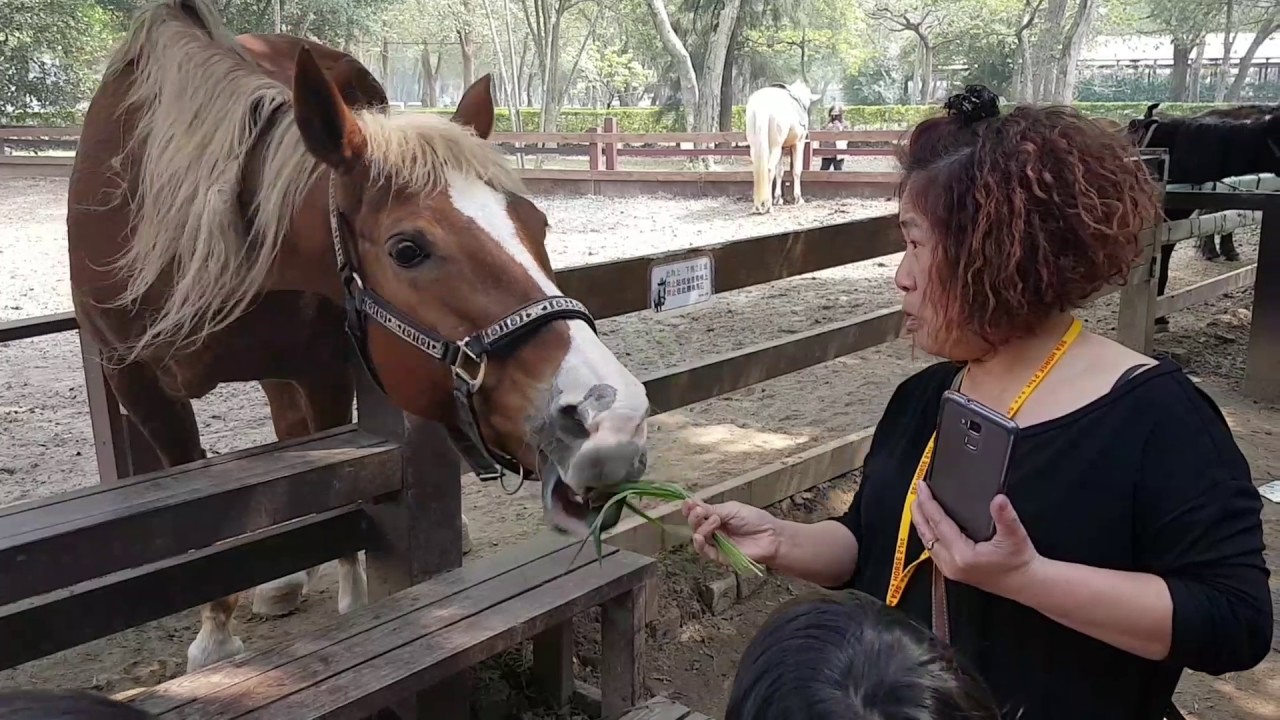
682	284
1271	491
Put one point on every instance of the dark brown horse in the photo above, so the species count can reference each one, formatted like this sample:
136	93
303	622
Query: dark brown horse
1213	145
237	208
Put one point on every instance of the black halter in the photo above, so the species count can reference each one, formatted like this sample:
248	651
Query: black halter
467	358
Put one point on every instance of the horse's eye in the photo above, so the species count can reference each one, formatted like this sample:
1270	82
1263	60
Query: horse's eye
407	253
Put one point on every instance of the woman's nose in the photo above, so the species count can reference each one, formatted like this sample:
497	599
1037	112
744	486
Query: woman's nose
902	278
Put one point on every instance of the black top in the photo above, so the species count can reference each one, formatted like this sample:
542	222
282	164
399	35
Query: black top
1146	478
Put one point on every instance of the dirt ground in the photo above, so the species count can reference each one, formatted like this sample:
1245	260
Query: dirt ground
45	436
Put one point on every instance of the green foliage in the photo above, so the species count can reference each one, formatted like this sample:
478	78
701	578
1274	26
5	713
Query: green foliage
50	55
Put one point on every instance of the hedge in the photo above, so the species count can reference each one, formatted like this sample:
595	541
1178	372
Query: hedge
659	120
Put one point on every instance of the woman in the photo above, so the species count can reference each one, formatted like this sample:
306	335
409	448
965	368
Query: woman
1129	544
835	122
848	656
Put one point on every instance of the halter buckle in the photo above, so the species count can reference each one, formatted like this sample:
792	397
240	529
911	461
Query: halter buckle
473	379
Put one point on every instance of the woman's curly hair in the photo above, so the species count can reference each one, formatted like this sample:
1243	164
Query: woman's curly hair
1034	211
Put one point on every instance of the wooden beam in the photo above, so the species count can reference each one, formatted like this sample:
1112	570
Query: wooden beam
761	487
40	626
34	327
622	286
135	524
1207	290
711	377
250	666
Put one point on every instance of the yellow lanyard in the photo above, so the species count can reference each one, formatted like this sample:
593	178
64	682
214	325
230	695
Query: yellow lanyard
898	581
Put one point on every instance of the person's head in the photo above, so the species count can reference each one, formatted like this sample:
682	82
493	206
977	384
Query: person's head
33	704
836	112
850	656
1012	219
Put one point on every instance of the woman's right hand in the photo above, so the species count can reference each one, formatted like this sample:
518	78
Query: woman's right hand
753	530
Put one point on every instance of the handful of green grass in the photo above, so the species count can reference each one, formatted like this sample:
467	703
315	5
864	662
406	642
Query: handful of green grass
626	496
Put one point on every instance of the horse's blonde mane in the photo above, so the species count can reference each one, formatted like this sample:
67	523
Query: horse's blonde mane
201	103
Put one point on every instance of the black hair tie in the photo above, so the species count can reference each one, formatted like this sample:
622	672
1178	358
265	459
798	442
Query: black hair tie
975	104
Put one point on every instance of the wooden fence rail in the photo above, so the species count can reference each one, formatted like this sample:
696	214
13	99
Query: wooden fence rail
602	147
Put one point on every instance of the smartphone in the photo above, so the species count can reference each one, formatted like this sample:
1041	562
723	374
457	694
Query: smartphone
970	459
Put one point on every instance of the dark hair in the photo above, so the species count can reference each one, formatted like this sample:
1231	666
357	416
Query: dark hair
32	704
850	656
1034	211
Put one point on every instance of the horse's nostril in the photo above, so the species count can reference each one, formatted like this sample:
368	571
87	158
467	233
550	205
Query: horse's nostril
569	421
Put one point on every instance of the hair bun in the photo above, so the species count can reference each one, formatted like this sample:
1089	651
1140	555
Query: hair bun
976	103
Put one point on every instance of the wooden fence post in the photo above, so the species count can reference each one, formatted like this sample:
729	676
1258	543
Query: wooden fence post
120	447
595	152
1135	321
420	530
610	147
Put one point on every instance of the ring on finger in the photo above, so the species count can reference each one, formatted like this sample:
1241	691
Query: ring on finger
929	545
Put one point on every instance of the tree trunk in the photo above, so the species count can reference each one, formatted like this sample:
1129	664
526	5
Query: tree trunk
1044	52
517	122
726	81
926	70
1228	40
430	95
1022	70
467	48
551	76
1266	29
1197	65
684	63
1181	66
384	64
713	67
1064	85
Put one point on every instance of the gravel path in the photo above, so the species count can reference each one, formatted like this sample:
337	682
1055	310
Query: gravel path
45	438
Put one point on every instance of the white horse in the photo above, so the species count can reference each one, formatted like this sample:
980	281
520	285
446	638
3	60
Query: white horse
777	119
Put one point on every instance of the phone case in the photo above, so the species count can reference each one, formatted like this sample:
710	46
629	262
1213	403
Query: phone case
970	459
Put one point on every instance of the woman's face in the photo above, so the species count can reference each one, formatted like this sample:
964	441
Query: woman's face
913	277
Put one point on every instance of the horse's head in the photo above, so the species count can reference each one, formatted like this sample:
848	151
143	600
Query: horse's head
801	92
460	318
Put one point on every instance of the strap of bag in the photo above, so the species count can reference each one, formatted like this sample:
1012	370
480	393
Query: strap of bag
941	613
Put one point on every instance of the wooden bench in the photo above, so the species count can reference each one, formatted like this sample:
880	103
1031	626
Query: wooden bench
403	645
661	708
82	565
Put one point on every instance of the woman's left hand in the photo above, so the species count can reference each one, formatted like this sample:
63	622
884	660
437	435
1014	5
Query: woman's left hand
996	565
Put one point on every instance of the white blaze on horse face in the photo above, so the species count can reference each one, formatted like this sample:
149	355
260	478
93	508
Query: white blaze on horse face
605	405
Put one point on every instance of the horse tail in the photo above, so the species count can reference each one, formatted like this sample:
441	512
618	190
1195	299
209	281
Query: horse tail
758	141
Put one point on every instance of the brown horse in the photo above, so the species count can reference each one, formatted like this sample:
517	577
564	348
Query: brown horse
235	213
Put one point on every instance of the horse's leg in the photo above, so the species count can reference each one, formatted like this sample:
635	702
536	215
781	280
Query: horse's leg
289	418
1162	281
797	166
775	177
1205	246
761	178
1228	248
170	425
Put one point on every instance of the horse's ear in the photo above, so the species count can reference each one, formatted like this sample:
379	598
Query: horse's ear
328	127
1151	111
475	109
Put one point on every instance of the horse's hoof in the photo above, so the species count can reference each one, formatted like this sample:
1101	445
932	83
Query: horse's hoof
1231	257
1162	326
279	597
466	536
207	649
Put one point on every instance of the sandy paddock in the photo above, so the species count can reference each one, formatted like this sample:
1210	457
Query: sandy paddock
45	438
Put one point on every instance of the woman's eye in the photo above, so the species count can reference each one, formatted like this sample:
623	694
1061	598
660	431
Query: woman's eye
407	253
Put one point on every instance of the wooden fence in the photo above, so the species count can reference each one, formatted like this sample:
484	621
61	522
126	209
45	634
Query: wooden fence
605	150
403	506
